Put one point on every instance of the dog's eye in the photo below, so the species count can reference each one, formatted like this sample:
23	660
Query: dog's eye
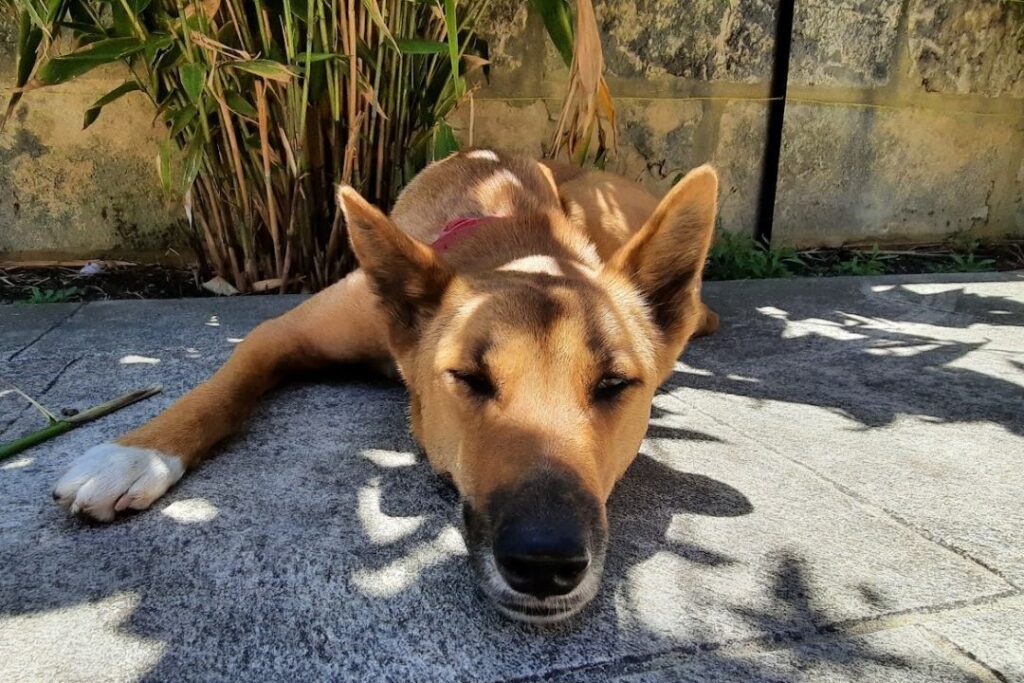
610	387
478	383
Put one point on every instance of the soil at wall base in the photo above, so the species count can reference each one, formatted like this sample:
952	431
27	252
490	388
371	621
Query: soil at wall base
20	283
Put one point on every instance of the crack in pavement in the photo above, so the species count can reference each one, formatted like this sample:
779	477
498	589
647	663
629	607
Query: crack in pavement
47	331
969	662
780	641
44	392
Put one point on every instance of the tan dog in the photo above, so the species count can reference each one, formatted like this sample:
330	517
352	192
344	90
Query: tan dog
532	336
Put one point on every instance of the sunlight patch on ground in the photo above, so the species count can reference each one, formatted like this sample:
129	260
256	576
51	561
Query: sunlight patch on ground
689	370
902	351
389	459
132	359
394	578
191	511
808	326
84	639
18	463
380	527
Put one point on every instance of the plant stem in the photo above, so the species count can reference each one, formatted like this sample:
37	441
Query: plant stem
58	427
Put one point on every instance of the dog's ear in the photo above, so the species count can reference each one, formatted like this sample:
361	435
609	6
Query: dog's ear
407	275
665	259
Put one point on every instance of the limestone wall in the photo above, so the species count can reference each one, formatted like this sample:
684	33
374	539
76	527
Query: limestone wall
904	121
69	193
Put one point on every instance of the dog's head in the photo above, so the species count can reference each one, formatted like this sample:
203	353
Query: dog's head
531	385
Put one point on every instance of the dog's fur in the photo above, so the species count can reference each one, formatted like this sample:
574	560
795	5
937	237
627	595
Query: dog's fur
531	351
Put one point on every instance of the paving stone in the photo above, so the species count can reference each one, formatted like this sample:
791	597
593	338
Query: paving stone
317	544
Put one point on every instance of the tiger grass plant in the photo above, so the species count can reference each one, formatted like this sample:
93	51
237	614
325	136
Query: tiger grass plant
269	104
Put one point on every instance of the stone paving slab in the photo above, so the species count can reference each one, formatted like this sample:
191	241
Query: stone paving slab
21	324
994	635
921	420
317	545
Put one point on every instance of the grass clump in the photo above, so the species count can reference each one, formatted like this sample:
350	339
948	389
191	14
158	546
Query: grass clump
740	257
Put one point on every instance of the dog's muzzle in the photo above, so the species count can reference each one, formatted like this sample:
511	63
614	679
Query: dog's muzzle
538	547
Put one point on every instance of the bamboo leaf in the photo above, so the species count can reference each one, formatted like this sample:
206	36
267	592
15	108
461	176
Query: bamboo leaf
558	21
373	9
64	68
266	68
182	118
239	104
93	112
420	46
29	38
163	166
452	37
193	162
444	141
193	78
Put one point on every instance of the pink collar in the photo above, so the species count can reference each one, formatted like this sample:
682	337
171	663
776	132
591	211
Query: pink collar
456	229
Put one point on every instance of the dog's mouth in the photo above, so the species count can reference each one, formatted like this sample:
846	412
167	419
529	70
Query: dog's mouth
529	608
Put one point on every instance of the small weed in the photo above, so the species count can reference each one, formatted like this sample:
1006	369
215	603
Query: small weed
51	296
864	263
964	263
740	257
963	242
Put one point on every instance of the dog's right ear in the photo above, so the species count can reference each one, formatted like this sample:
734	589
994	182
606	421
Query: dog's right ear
407	275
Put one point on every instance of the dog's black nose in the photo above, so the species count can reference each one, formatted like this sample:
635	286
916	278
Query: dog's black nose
541	560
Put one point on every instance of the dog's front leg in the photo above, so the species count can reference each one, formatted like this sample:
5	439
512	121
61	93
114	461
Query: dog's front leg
339	325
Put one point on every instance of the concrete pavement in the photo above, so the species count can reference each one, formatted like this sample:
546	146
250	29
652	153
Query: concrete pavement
830	489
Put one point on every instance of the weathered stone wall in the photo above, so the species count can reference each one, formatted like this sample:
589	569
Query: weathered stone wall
904	121
65	192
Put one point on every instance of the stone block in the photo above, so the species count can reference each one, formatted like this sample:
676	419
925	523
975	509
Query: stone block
968	46
843	42
852	173
716	40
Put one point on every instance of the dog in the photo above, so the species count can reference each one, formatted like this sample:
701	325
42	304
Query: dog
531	309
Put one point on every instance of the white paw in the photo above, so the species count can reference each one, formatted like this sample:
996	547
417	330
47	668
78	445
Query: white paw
109	478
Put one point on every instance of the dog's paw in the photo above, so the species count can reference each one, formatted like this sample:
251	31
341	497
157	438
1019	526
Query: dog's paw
109	478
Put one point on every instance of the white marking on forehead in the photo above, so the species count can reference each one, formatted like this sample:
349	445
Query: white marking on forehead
482	154
537	263
505	176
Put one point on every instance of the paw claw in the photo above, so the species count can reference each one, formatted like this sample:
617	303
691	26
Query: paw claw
111	478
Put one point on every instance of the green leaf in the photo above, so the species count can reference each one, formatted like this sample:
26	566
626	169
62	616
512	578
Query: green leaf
452	31
66	67
420	46
558	22
239	104
28	41
444	141
373	9
93	112
193	162
315	57
163	166
182	118
264	67
29	38
193	78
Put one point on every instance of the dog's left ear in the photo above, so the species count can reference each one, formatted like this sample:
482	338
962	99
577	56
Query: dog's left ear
407	275
665	259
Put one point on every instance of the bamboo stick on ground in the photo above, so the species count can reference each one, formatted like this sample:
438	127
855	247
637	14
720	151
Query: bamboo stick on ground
58	427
